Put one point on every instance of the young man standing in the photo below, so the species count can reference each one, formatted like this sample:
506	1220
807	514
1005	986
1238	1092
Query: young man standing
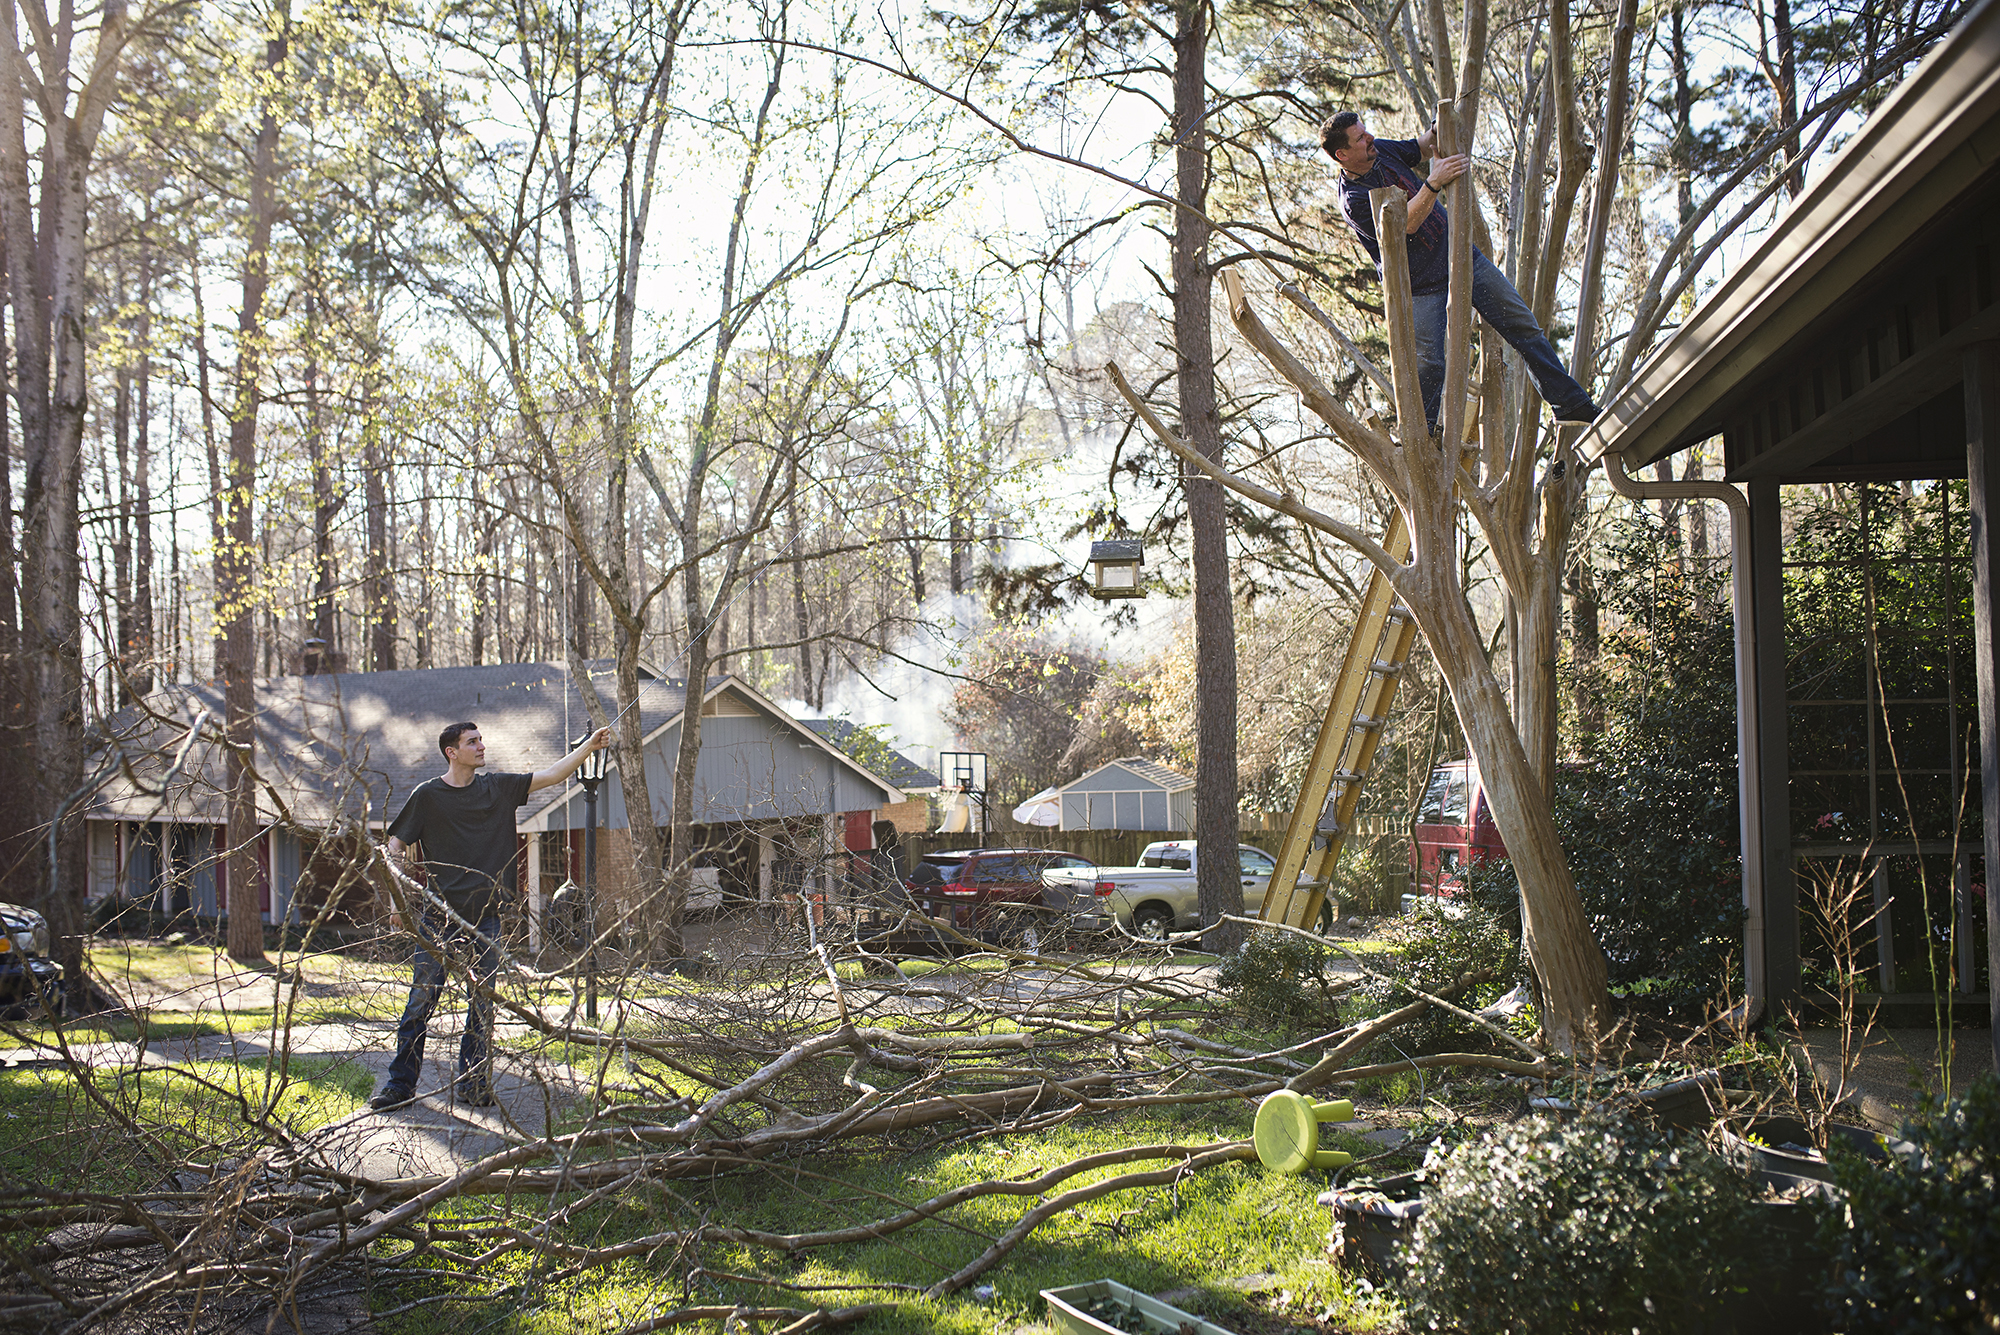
1368	163
462	824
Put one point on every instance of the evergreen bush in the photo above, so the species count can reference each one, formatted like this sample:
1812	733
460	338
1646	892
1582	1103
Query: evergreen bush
1438	944
1916	1243
1281	977
1604	1224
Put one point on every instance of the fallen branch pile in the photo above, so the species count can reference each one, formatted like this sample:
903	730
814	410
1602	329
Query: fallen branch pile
775	1063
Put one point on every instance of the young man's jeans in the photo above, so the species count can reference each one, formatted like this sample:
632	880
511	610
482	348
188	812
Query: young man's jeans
428	985
1495	298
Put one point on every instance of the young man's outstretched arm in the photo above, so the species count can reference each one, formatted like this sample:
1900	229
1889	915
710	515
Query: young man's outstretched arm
565	767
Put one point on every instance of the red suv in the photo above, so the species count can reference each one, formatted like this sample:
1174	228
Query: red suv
974	889
1454	830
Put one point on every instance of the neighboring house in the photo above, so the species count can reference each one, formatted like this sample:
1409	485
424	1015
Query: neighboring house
342	752
912	815
1129	794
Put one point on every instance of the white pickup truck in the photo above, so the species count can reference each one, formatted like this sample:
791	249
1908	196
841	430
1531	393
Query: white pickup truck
1152	899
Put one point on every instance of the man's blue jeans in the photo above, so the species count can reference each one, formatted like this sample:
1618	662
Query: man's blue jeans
428	985
1495	299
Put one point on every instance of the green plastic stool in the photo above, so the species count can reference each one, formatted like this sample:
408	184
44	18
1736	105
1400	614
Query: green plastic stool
1287	1132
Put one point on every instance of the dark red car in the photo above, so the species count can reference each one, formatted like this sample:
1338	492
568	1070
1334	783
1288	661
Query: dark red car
1454	830
976	890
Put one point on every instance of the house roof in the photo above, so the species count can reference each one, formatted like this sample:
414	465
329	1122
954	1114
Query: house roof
1148	773
341	744
1846	325
349	746
903	772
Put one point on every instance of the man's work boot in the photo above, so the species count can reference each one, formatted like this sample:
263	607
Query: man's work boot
473	1092
1580	414
392	1096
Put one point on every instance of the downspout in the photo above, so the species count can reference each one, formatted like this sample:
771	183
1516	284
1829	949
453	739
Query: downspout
1749	789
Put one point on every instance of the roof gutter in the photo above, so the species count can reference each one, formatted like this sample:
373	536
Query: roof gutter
1749	776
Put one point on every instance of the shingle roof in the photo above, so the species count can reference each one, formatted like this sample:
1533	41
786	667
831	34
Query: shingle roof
343	744
903	771
1169	780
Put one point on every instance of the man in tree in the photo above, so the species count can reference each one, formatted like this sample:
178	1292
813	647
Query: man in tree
462	824
1368	163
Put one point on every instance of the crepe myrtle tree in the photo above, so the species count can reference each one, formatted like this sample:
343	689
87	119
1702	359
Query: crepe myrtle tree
1525	512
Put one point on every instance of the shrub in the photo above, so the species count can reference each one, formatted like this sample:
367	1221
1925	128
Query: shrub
1603	1224
1437	947
1916	1246
1281	977
1360	878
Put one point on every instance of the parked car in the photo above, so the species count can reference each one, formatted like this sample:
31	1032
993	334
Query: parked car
985	891
1154	898
27	975
1454	830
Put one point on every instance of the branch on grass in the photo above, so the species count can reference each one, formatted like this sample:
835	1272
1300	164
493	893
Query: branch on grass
1033	1219
801	1320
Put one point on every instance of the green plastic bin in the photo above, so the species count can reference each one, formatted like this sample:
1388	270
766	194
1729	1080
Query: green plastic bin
1067	1303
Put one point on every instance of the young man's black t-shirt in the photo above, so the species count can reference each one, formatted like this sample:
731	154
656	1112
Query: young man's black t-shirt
468	838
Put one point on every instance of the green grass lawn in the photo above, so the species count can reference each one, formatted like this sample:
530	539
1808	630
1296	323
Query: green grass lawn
52	1133
1220	1224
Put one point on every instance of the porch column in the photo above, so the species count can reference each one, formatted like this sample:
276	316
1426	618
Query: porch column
534	895
1982	477
1771	938
766	854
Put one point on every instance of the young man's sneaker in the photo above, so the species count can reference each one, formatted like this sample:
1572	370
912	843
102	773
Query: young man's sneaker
392	1096
474	1094
1582	415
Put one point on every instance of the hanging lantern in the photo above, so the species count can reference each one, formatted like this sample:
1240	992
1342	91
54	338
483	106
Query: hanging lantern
1114	568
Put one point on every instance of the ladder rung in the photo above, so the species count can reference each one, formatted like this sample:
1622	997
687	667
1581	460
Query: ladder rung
1383	668
1334	828
1398	612
1349	776
1363	723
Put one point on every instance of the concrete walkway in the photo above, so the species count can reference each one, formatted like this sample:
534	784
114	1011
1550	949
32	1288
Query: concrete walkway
1896	1067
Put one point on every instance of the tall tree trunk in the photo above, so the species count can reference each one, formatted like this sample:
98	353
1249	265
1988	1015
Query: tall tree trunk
956	544
325	504
236	560
483	557
45	241
145	650
1788	90
801	626
1218	882
1682	152
426	632
218	495
10	613
121	530
378	592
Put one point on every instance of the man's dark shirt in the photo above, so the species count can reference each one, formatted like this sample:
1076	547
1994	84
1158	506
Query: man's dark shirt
468	838
1430	244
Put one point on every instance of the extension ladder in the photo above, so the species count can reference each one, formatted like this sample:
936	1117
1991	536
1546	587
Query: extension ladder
1384	634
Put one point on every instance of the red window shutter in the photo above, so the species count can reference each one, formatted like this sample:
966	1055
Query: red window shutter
860	831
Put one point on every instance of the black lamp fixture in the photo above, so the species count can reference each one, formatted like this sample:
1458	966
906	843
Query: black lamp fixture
590	773
595	765
1114	568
